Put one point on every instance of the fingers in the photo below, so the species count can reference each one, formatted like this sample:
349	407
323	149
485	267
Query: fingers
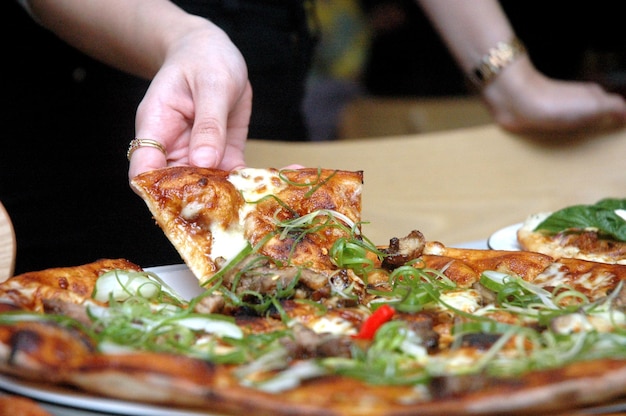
215	138
545	106
603	110
145	159
614	106
158	120
198	106
220	128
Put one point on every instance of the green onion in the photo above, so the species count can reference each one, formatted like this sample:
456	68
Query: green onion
394	358
123	284
515	291
414	287
245	252
315	185
14	317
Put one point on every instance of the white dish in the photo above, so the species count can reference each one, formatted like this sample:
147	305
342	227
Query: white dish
180	278
505	238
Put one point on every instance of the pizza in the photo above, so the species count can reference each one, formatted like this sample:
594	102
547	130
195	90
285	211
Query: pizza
594	232
213	217
409	327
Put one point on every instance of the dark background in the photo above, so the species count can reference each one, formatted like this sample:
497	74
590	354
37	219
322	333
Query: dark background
573	40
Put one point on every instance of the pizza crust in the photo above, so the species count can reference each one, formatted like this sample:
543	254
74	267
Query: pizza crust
21	406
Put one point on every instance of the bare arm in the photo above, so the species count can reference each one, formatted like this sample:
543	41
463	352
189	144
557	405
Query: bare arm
199	101
132	35
520	98
469	28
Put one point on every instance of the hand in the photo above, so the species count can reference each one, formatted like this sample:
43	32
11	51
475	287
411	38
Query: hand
198	105
522	100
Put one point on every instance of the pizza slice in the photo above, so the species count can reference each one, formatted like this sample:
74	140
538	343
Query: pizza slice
594	232
74	284
214	217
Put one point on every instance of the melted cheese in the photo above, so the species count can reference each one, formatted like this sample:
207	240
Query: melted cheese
254	184
227	243
607	320
553	276
595	284
333	325
453	361
604	321
534	220
467	301
191	210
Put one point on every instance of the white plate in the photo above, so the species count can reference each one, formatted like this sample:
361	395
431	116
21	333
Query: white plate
76	399
180	278
505	238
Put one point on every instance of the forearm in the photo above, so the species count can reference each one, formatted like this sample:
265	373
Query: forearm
132	35
520	98
468	27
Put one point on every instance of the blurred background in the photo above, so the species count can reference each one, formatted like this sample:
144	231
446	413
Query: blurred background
382	69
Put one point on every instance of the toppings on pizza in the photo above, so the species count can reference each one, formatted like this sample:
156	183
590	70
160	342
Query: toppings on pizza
66	284
213	217
409	336
590	232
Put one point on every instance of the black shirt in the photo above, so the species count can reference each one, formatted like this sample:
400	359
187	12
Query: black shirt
68	121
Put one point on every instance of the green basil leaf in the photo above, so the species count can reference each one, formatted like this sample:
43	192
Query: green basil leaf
600	215
612	224
576	216
612	204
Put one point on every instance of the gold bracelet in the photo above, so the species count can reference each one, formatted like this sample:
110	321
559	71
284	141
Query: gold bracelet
495	61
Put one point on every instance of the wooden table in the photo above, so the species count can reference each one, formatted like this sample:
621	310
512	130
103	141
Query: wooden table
462	185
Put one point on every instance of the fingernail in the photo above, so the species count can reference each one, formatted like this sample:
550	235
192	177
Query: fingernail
205	157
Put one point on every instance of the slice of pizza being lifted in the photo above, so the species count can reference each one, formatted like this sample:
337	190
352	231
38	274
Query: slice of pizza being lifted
215	218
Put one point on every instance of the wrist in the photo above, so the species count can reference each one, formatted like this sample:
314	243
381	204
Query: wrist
513	94
495	61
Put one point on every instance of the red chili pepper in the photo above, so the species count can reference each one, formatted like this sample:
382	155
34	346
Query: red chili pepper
376	320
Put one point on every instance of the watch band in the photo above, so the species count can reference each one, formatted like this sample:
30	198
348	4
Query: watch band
495	61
